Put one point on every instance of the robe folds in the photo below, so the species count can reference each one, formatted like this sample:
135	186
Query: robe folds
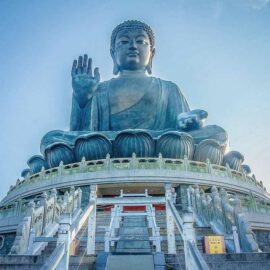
156	110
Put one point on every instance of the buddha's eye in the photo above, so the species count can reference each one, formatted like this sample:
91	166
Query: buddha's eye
123	41
142	41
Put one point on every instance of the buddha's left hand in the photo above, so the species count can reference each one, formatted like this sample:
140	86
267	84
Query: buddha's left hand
191	120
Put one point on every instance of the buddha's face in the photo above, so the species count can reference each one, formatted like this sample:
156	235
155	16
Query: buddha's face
132	50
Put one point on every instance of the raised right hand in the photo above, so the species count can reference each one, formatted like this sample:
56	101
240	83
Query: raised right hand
83	82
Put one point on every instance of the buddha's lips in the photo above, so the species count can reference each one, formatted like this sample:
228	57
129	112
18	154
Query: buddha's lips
132	54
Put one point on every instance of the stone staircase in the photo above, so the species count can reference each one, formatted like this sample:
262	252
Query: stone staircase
132	247
134	236
133	250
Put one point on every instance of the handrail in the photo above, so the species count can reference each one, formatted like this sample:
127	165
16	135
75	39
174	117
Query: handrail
193	257
55	258
81	219
197	257
177	219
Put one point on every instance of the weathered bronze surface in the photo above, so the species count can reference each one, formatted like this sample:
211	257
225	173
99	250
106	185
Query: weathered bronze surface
133	100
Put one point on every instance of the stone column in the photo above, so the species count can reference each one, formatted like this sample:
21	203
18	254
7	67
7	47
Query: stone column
189	235
170	221
182	196
54	195
79	199
236	240
64	238
44	204
92	221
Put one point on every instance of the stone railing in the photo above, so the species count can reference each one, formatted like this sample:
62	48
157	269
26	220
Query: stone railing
65	203
223	214
193	257
251	204
107	164
41	213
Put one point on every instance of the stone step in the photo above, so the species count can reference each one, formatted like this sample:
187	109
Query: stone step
133	246
81	262
242	261
130	262
21	262
134	224
133	231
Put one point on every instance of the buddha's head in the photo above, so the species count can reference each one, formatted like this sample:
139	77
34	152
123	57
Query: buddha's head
132	47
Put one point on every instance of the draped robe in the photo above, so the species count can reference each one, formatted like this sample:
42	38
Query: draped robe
156	110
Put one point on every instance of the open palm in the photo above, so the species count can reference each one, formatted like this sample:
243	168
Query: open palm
84	82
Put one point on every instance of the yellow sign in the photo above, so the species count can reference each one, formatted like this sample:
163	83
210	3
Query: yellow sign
214	244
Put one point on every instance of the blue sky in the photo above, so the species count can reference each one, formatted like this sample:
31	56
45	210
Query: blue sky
217	51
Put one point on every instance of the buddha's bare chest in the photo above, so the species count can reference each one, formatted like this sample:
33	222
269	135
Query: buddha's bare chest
122	97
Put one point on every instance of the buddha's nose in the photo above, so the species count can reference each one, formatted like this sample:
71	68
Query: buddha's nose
133	44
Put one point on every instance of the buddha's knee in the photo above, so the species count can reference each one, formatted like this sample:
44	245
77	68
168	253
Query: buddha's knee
210	132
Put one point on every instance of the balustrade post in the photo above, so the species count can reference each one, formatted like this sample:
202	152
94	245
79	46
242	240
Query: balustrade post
42	173
30	210
197	198
186	163
224	205
108	162
44	218
215	202
54	195
113	217
72	194
253	203
79	198
236	239
30	247
18	206
204	207
82	166
133	161
160	161
209	166
118	216
64	238
209	208
92	221
60	168
19	210
66	202
189	208
228	170
107	241
189	235
170	221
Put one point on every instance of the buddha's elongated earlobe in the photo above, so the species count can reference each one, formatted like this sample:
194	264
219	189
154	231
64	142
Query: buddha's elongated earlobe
115	66
149	66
